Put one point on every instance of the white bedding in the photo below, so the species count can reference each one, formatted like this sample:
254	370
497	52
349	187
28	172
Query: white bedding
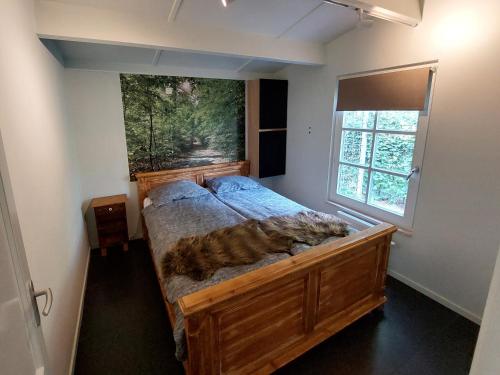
147	202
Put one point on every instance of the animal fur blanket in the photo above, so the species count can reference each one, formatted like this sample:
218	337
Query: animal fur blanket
200	256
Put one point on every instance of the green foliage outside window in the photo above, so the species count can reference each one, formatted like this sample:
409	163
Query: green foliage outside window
394	152
391	134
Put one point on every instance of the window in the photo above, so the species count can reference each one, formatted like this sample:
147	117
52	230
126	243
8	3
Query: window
376	161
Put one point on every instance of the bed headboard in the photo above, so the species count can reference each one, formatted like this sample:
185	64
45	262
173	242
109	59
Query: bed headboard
149	180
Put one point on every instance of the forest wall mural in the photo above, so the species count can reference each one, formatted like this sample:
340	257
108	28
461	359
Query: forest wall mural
176	122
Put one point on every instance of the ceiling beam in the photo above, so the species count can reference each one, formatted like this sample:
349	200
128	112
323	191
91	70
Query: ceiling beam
298	21
165	70
174	10
64	21
156	57
242	66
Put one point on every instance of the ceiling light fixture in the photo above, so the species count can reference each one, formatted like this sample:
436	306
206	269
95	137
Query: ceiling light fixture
225	3
362	20
375	11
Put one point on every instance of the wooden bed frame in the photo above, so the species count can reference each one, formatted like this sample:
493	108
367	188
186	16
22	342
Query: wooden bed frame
259	321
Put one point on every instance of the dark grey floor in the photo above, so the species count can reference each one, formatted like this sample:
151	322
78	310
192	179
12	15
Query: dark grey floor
125	330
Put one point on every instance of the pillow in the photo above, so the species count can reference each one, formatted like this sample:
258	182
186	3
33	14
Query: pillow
174	191
231	183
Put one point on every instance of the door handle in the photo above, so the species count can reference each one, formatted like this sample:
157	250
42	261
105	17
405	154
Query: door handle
47	293
48	300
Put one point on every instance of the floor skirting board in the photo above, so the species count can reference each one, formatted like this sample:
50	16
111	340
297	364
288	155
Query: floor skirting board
436	297
80	314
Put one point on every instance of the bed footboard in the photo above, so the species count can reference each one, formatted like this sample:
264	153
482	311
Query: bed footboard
261	320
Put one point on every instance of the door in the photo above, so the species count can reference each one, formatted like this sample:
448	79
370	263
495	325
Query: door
22	349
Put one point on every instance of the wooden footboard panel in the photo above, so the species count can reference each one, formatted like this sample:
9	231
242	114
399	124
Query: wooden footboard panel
261	320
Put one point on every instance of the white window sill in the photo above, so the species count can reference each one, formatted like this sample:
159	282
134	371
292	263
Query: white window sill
363	221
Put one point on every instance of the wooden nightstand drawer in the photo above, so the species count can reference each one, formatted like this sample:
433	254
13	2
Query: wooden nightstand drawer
110	227
111	221
110	212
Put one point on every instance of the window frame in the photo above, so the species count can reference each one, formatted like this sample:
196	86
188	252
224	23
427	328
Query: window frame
360	209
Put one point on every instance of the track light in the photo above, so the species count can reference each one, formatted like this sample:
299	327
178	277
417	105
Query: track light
225	3
375	11
362	20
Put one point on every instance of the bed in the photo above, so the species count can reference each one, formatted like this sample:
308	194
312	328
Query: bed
187	217
264	318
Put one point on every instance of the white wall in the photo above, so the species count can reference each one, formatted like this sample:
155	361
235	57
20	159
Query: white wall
456	230
486	358
96	111
40	155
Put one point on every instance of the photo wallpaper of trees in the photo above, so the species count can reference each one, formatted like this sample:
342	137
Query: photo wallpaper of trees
176	122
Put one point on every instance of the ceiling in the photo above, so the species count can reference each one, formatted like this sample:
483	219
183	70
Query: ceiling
309	20
300	20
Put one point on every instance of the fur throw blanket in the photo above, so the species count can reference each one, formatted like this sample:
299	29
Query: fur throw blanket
200	256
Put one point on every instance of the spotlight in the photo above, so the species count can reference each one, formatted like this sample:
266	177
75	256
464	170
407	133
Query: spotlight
225	3
362	20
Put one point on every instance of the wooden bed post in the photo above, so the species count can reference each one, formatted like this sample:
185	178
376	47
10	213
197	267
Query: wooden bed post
199	337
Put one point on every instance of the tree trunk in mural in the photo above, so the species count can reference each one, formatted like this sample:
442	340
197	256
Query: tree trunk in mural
175	122
151	130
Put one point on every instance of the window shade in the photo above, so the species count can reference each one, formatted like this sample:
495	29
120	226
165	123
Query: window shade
402	90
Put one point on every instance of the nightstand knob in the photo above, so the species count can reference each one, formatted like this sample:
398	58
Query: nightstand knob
110	209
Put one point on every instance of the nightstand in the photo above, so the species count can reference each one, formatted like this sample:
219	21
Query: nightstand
111	220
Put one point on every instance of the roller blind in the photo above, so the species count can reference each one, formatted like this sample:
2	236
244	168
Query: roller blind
401	90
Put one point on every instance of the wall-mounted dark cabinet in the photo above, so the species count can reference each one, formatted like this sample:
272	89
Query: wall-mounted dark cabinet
273	103
267	115
272	145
